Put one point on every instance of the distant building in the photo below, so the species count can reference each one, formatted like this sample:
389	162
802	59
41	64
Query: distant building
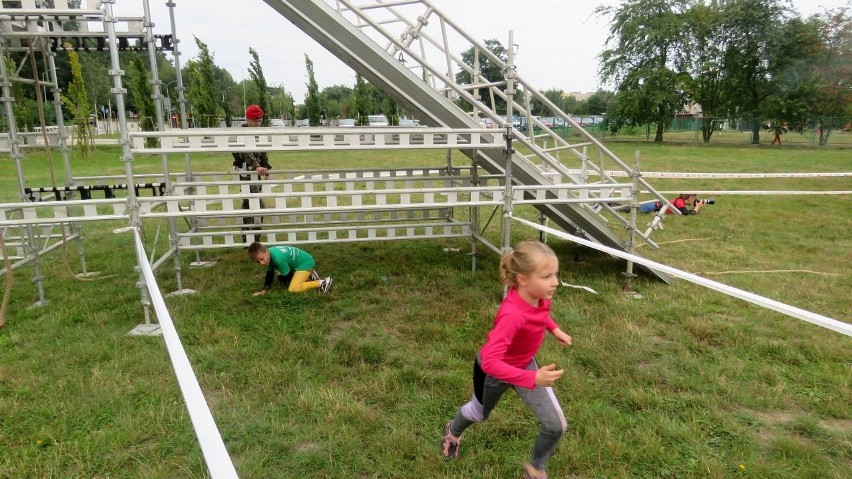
578	95
691	109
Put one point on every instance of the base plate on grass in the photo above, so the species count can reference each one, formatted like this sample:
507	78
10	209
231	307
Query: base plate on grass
181	292
146	330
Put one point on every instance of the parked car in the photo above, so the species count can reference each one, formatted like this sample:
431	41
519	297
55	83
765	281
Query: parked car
277	122
346	122
301	123
485	122
544	121
377	120
558	122
407	122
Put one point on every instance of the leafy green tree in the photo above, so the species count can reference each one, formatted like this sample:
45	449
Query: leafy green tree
24	108
77	101
141	94
796	83
362	100
705	52
538	108
256	74
335	98
832	71
313	109
643	61
391	110
281	103
489	71
95	68
600	102
201	91
572	105
753	57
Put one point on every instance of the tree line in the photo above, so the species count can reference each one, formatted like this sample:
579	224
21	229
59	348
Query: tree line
211	92
755	60
749	59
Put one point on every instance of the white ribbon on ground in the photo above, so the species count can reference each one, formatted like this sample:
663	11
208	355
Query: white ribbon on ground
212	447
804	315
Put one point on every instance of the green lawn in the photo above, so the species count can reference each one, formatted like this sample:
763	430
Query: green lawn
683	382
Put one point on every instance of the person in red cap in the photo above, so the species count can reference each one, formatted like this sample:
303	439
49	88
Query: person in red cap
256	161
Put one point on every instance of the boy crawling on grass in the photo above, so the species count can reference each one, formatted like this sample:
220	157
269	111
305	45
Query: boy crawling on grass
294	266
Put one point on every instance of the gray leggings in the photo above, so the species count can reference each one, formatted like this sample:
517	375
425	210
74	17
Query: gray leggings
487	391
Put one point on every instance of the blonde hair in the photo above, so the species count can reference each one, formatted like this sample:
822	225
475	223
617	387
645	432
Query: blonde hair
524	259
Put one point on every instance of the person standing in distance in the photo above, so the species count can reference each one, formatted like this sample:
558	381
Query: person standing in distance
507	360
256	161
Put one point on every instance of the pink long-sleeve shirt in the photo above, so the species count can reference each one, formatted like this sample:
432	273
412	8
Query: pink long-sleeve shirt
518	332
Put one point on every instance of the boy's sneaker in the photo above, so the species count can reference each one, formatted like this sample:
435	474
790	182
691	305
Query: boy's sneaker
325	285
450	444
314	276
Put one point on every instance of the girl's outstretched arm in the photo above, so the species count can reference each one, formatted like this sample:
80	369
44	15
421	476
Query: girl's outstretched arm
563	338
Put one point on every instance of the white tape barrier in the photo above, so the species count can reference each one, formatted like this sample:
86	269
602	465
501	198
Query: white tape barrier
749	192
793	311
665	174
212	447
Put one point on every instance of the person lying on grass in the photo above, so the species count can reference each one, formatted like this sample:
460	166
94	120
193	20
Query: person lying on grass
295	267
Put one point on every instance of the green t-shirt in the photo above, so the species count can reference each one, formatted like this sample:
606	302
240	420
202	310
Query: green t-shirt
289	258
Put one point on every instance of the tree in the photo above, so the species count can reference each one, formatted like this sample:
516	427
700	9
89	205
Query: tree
141	94
704	52
95	67
281	103
313	109
644	61
256	74
796	84
77	101
336	98
362	100
538	108
489	71
391	110
832	70
572	105
599	102
753	57
202	90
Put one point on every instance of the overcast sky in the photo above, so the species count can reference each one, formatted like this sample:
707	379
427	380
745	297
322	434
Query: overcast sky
559	40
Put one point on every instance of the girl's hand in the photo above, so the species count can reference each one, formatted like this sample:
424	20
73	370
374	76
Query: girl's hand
547	375
258	293
563	338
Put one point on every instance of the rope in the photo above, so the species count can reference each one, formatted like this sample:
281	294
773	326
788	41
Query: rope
675	241
770	271
40	102
8	292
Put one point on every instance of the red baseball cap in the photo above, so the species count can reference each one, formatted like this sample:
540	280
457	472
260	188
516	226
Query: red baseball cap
254	112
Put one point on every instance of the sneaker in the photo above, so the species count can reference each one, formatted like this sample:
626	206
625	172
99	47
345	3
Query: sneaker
533	473
450	444
314	276
325	285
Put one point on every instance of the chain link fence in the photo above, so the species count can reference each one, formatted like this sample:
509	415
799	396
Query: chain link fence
832	131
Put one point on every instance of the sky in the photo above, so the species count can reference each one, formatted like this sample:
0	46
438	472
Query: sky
558	40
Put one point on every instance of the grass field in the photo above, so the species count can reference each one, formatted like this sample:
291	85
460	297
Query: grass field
681	383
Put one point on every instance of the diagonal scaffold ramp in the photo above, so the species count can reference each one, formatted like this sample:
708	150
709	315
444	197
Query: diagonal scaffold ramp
412	32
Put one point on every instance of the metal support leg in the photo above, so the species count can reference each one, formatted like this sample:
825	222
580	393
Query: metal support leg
631	239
